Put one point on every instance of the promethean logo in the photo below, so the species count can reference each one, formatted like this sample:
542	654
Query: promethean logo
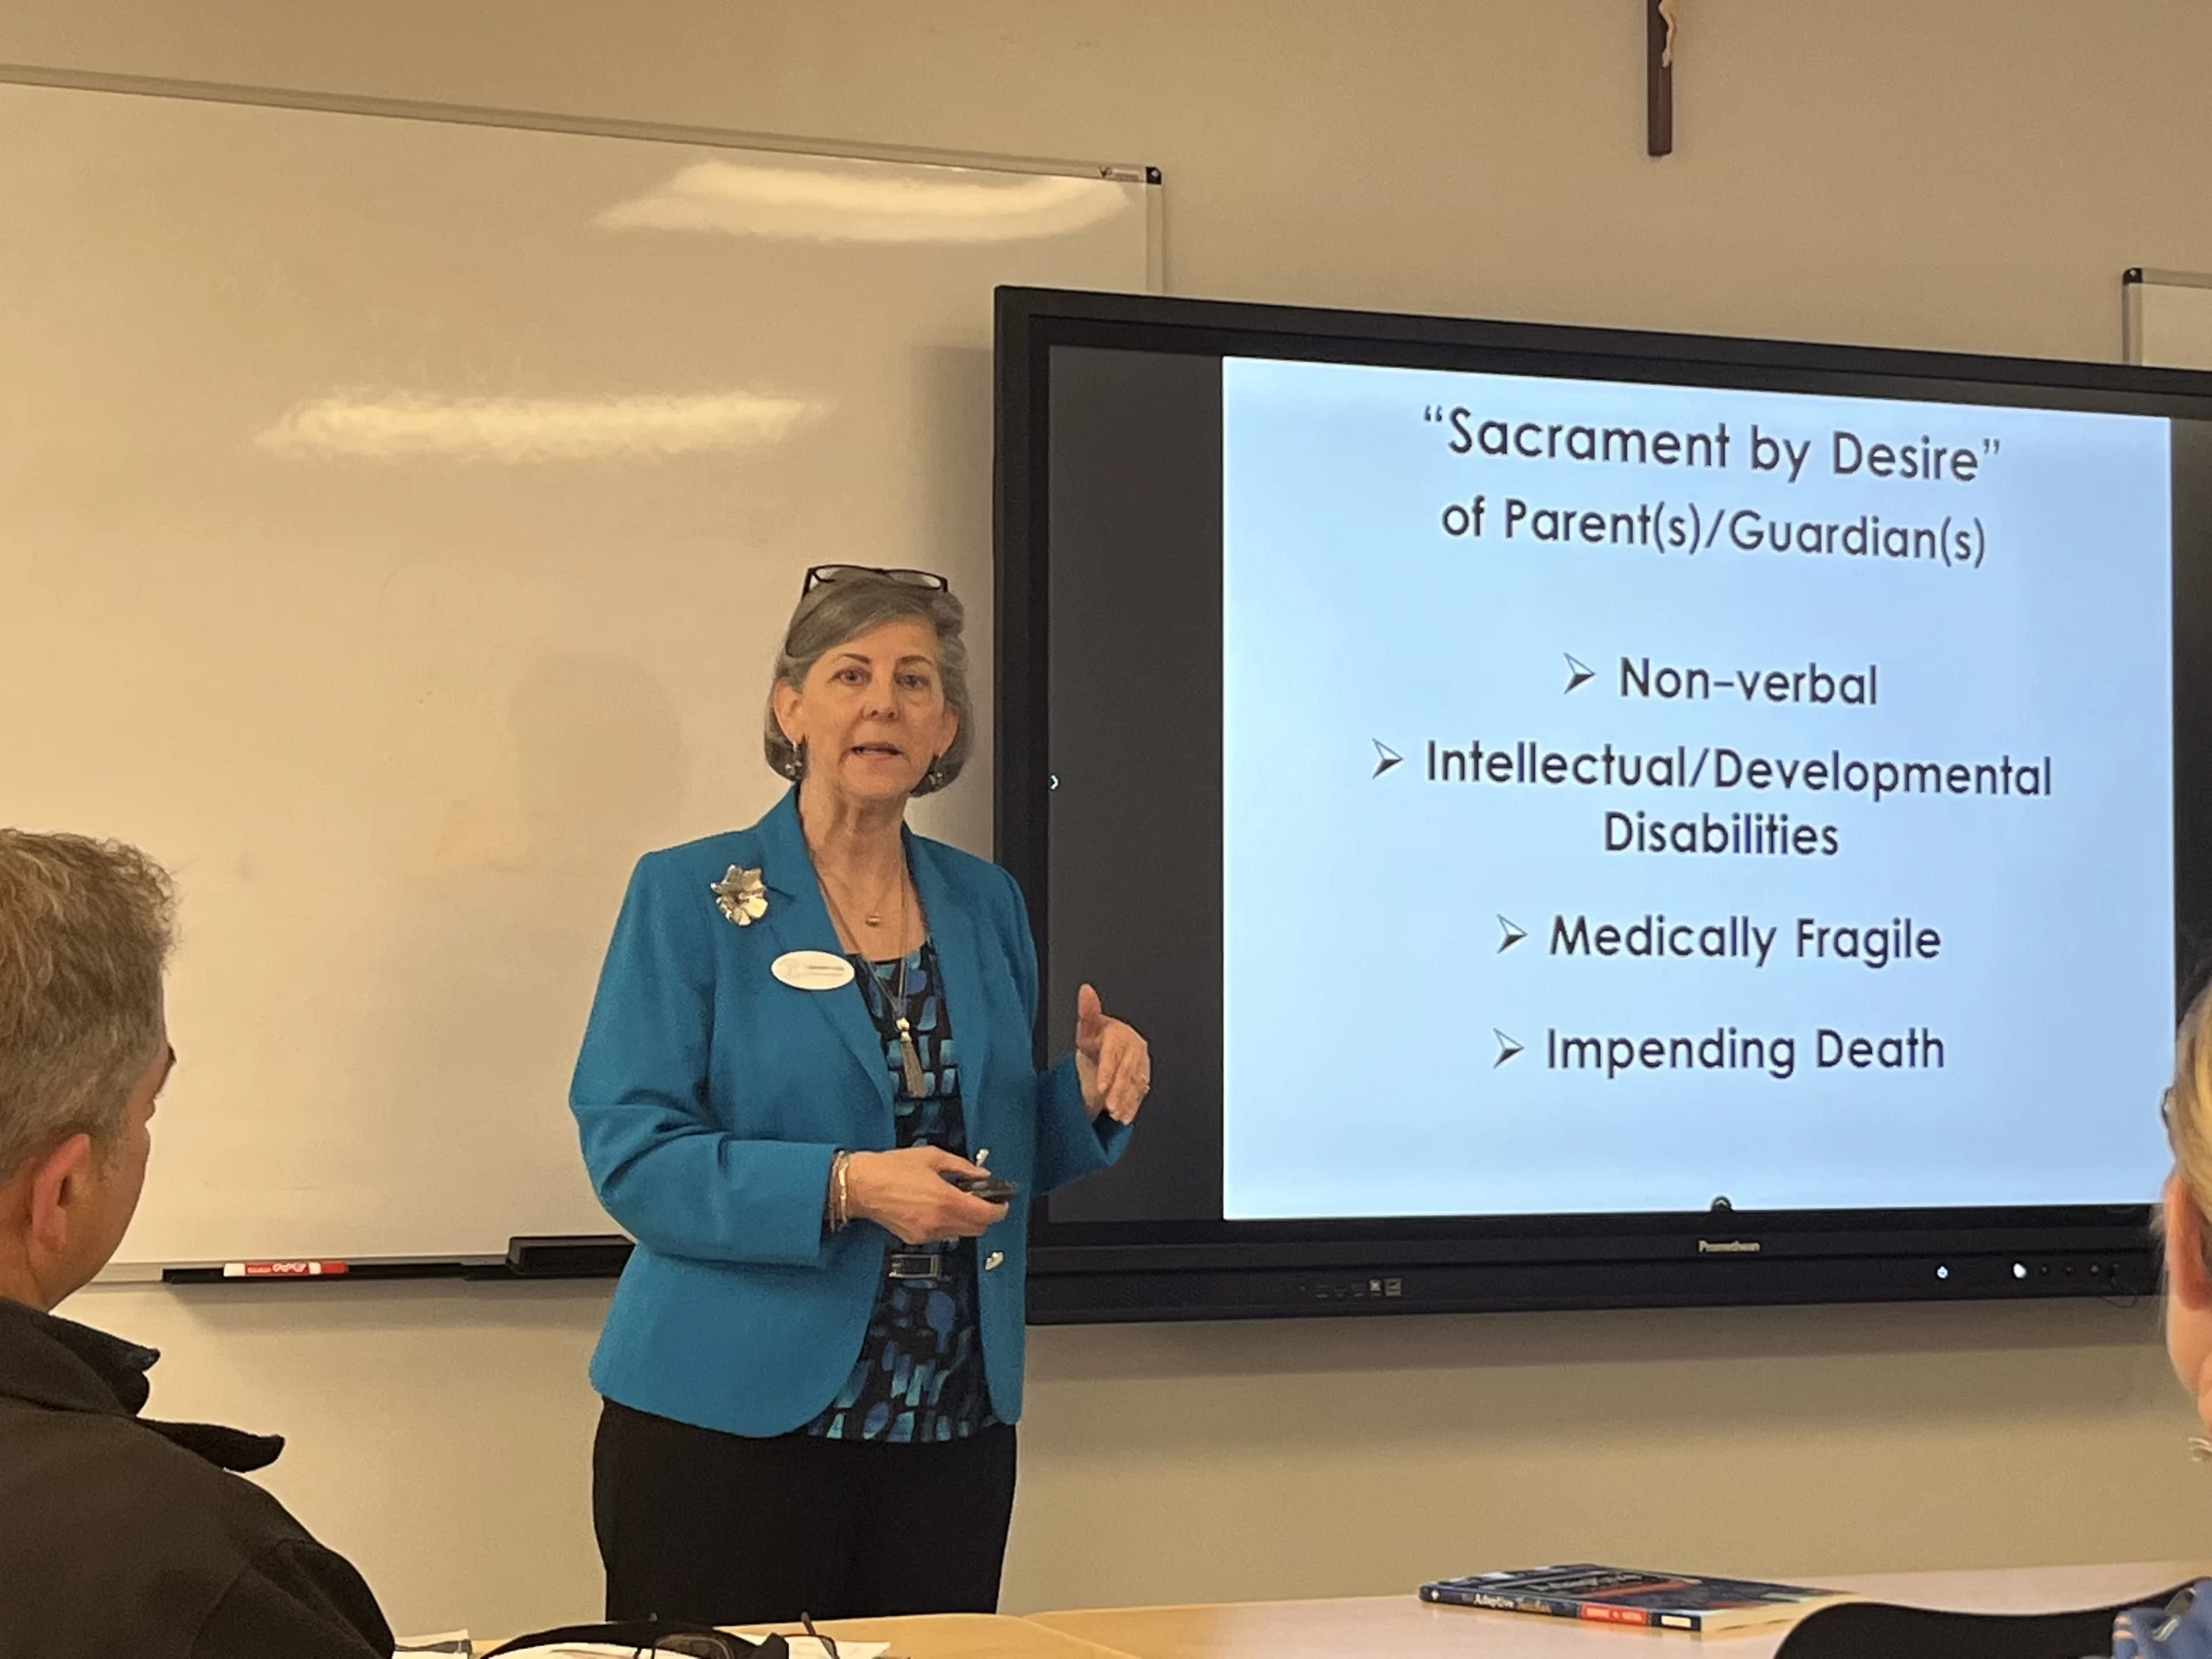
1727	1247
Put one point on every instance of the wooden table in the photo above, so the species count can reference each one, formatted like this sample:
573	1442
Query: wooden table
943	1636
1403	1627
955	1635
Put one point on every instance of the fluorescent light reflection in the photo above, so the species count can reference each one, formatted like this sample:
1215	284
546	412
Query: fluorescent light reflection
868	202
403	425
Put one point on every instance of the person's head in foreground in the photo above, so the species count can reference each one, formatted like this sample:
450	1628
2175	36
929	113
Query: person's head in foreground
85	935
2188	1202
118	1534
2181	1628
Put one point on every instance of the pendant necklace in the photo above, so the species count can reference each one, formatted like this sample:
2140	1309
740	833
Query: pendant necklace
874	917
873	914
910	1058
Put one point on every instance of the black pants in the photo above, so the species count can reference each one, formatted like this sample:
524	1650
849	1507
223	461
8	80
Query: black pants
725	1530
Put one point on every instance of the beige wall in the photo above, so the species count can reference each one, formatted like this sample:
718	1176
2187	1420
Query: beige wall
1974	174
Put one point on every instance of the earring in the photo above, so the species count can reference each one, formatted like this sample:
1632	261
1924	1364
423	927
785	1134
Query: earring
934	778
796	768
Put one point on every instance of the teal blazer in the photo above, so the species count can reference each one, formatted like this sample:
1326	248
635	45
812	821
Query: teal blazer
710	1097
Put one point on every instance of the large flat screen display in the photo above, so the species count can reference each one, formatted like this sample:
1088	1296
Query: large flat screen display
1596	818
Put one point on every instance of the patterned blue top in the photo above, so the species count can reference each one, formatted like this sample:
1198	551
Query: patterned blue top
919	1376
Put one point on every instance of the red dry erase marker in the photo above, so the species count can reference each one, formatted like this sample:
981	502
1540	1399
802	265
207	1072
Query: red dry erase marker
282	1270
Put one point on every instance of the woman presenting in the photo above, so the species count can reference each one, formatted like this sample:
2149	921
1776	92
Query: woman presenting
806	1033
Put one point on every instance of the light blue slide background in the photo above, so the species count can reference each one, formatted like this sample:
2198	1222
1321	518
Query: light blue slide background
1363	979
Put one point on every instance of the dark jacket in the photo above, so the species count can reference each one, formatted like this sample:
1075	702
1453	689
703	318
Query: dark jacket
120	1535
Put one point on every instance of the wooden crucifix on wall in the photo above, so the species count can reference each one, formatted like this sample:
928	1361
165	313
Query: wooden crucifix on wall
1660	22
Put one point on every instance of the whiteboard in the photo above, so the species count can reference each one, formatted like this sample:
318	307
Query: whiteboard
2166	318
400	517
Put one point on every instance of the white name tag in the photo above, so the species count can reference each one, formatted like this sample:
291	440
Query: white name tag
812	971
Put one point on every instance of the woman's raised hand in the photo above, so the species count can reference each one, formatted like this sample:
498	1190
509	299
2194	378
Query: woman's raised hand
906	1193
1112	1062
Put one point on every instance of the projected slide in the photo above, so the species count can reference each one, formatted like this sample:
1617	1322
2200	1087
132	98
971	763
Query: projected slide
1636	796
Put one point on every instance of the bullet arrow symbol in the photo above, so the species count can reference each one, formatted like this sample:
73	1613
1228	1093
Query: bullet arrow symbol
1577	671
1507	1048
1385	757
1513	935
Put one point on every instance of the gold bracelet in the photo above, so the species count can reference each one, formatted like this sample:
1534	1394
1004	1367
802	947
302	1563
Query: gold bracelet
839	1204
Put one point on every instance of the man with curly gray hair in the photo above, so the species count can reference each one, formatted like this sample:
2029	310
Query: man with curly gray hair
118	1534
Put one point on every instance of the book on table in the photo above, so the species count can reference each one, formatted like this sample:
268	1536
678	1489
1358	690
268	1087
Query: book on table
1627	1595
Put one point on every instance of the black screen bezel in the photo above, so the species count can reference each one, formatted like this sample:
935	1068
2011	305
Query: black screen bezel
1200	1255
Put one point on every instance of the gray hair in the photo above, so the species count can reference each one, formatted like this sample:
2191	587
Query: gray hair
85	930
836	611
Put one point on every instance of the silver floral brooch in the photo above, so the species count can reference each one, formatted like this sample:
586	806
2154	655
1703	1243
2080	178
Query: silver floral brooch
741	896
